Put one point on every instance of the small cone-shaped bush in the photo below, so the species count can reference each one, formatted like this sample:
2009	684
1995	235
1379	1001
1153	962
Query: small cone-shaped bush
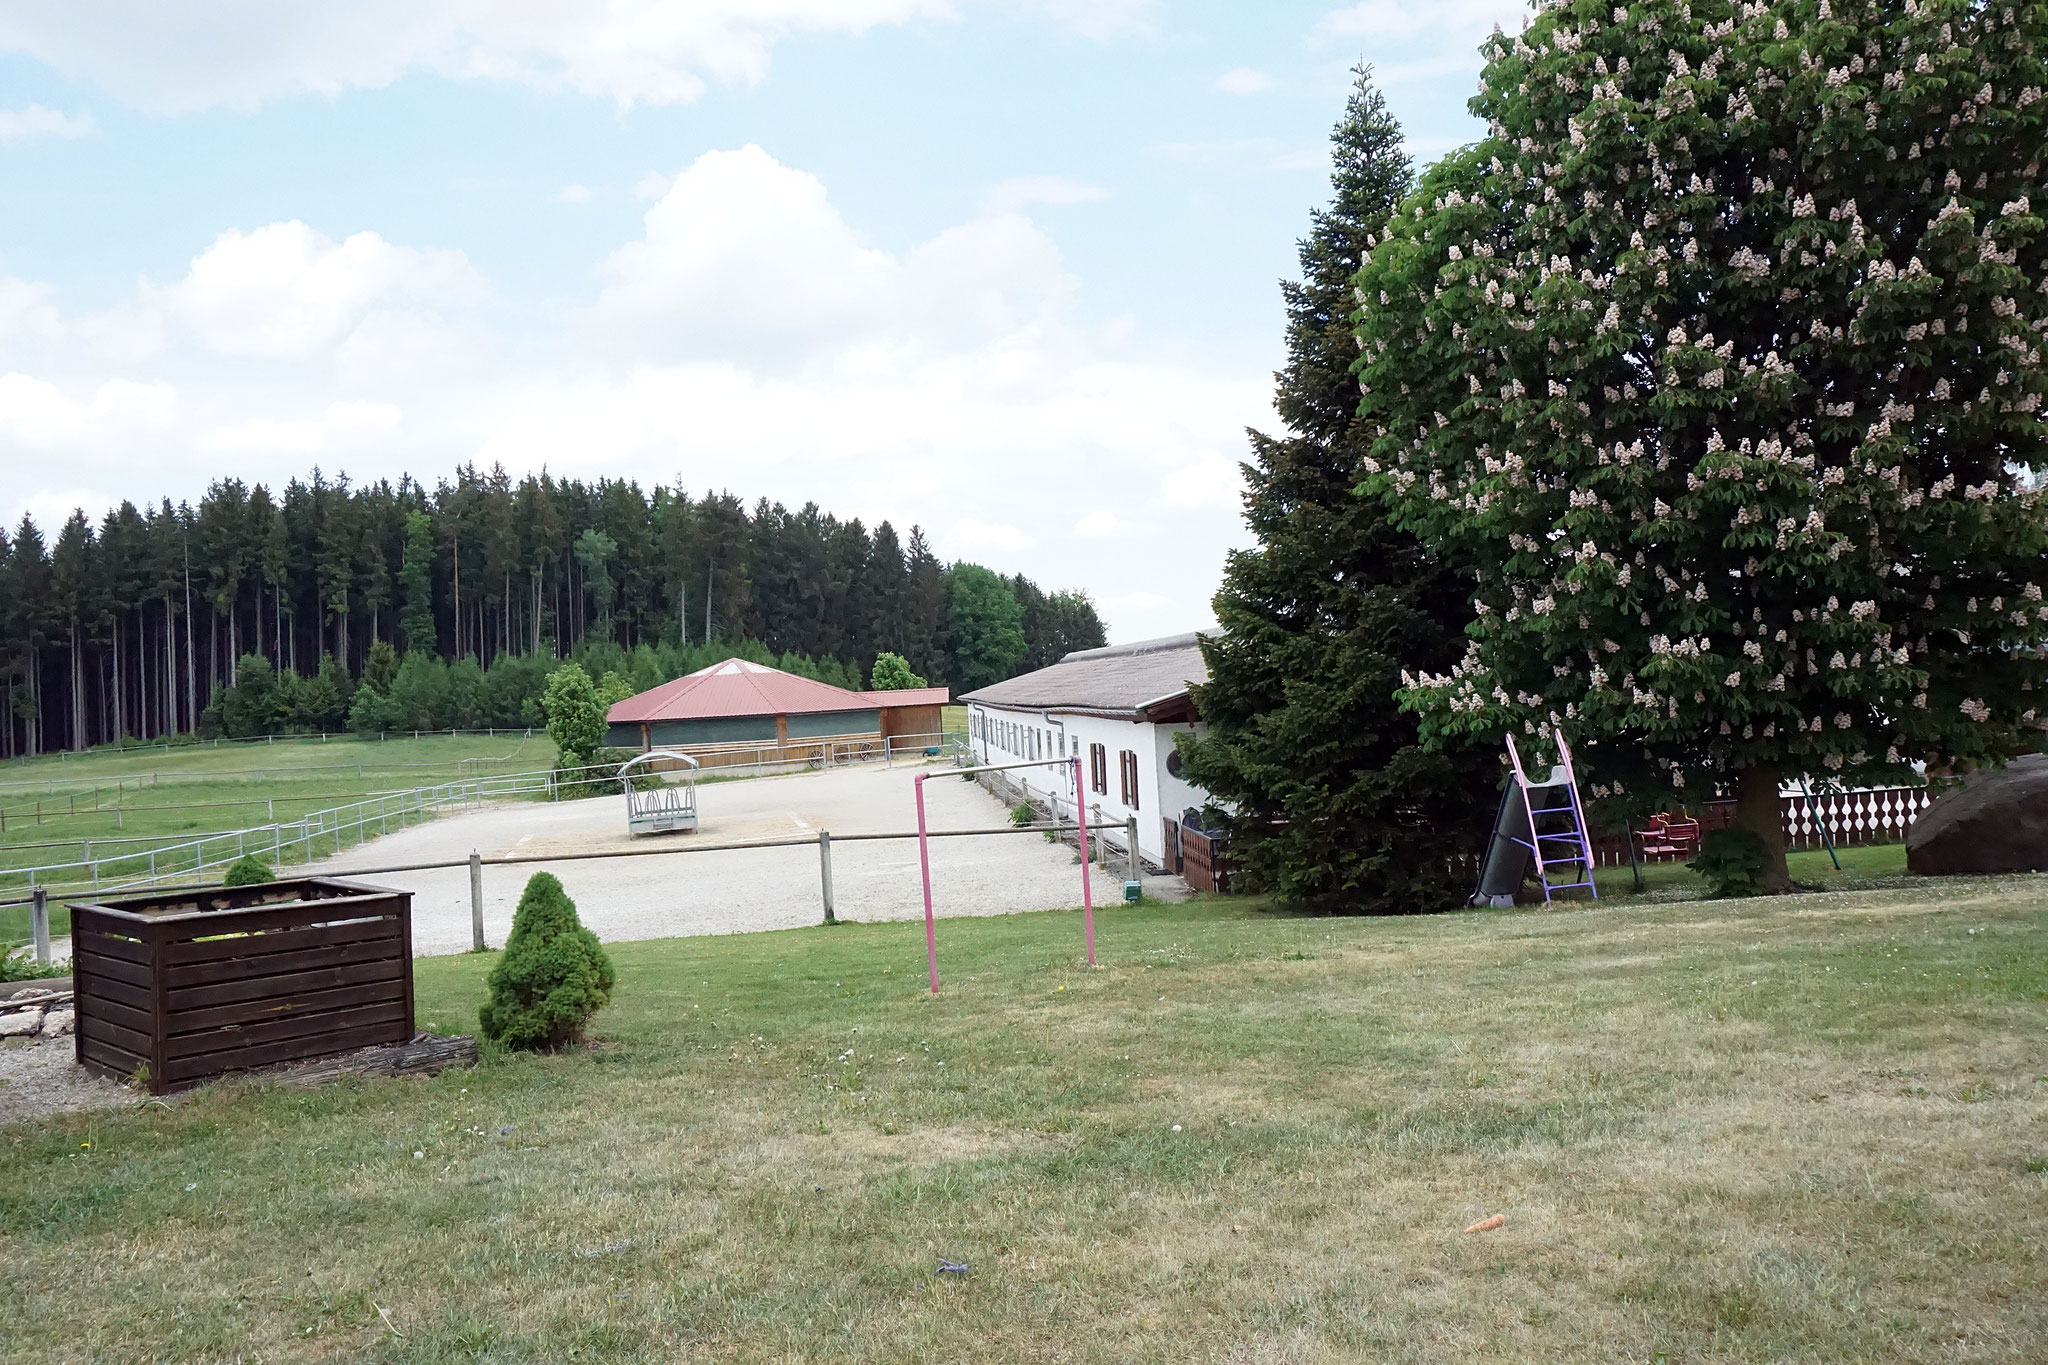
248	870
554	974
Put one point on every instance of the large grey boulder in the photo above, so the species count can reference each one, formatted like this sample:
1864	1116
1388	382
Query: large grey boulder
1996	822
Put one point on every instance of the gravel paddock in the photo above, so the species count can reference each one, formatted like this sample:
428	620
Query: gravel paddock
740	890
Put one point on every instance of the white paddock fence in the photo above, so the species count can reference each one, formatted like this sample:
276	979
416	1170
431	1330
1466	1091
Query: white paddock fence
117	864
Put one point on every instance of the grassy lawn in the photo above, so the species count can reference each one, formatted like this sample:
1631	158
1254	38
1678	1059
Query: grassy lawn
1862	869
1809	1129
167	796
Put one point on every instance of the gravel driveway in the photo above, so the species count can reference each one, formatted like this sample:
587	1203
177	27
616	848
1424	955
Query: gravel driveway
736	891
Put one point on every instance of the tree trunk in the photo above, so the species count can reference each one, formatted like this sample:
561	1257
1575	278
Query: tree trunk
1758	810
80	739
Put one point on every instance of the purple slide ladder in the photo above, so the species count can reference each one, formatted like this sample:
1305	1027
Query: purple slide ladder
1561	779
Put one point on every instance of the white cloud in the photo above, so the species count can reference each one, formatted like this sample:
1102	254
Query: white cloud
52	507
750	338
972	539
304	436
1101	525
573	194
743	256
19	125
1243	80
1209	479
28	314
1012	195
286	290
1450	19
209	53
40	416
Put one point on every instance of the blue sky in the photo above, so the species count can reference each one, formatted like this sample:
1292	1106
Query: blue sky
1006	269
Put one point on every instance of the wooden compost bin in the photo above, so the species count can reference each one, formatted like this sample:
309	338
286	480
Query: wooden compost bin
200	982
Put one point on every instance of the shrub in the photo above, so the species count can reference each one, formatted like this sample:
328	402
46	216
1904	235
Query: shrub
554	974
24	967
1021	814
248	870
1732	861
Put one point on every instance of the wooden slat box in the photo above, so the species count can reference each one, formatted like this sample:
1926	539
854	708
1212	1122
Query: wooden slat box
199	982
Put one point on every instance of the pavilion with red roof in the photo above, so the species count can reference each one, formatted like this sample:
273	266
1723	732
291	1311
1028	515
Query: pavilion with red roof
737	705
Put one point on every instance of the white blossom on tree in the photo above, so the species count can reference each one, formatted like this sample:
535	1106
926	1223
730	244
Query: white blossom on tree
1720	358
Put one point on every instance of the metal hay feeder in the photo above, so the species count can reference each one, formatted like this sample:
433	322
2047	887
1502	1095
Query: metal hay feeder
654	806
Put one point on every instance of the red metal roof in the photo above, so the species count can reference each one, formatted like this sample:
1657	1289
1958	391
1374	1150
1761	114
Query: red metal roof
738	688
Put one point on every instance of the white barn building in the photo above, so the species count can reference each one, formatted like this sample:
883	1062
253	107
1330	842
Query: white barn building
1117	709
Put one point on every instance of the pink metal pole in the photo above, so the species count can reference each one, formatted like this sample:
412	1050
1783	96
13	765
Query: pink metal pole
1087	895
924	865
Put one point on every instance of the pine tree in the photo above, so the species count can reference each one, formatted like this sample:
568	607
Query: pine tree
1721	357
1331	799
594	550
416	581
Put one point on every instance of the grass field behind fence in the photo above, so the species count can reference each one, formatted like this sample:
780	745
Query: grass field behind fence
1804	1129
169	796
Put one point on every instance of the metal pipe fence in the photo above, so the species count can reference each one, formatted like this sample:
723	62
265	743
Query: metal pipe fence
823	841
327	832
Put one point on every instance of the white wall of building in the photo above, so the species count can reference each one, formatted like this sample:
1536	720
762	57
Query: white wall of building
1005	735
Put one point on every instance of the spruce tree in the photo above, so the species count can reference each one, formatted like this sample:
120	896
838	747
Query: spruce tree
1330	799
416	584
1721	355
554	974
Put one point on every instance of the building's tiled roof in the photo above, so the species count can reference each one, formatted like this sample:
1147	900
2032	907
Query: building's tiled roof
1118	680
738	688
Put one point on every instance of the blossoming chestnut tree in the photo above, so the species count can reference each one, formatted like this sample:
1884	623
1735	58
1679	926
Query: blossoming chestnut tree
1720	359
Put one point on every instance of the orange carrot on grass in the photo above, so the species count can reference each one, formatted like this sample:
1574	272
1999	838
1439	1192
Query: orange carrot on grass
1488	1224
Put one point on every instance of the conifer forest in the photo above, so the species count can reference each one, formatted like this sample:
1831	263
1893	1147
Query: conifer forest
141	625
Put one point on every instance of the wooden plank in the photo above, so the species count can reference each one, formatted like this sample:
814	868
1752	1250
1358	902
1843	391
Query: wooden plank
86	962
228	925
159	1010
156	906
405	949
188	1070
306	1002
90	985
276	941
233	1037
183	928
282	964
96	944
97	1026
127	1016
426	1054
293	983
107	1059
